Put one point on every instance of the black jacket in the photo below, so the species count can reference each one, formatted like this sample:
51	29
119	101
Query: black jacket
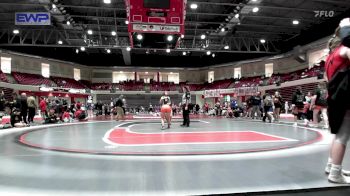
119	103
338	98
24	104
299	104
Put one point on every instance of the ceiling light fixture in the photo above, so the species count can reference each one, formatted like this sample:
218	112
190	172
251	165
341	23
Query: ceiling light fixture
203	36
60	42
108	51
167	50
107	1
128	49
208	52
16	31
139	37
114	33
170	38
227	47
193	6
296	22
256	9
262	41
82	48
89	32
237	16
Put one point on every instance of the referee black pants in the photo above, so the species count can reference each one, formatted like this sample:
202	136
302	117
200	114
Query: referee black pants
186	117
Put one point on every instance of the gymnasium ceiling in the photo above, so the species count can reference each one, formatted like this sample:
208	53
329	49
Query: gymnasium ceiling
273	23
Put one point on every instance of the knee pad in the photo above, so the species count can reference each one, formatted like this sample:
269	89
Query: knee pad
342	138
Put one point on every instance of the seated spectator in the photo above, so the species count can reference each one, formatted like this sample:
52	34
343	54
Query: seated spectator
80	114
66	117
16	119
52	117
229	113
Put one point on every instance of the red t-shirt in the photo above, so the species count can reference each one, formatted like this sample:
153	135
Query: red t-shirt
335	62
78	113
65	115
42	105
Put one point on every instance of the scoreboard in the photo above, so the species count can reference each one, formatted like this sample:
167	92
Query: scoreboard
156	17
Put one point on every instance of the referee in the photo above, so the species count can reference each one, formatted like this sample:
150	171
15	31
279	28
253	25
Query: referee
186	101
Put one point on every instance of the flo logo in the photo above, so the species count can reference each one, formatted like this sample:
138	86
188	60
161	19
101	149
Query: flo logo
324	14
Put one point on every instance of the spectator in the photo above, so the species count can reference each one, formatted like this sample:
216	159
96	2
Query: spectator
16	118
120	111
51	117
24	107
79	113
286	107
307	107
277	102
197	109
2	101
32	106
66	116
206	107
256	104
43	107
218	108
268	104
298	101
319	104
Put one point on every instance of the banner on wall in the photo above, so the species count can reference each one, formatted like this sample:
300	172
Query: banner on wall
244	91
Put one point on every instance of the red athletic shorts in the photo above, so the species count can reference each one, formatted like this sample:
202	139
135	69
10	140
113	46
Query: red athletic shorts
165	109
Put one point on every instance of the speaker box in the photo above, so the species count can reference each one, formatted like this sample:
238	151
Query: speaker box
299	54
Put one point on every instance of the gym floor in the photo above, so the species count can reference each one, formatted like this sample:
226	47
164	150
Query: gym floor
213	156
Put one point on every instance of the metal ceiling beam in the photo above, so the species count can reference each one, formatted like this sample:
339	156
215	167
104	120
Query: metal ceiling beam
51	37
280	18
123	8
158	49
267	32
199	13
261	6
333	2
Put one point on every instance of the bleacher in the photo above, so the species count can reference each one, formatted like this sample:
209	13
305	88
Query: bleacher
32	79
101	86
7	93
3	77
86	83
287	92
68	83
193	87
38	80
131	86
248	82
220	84
163	86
